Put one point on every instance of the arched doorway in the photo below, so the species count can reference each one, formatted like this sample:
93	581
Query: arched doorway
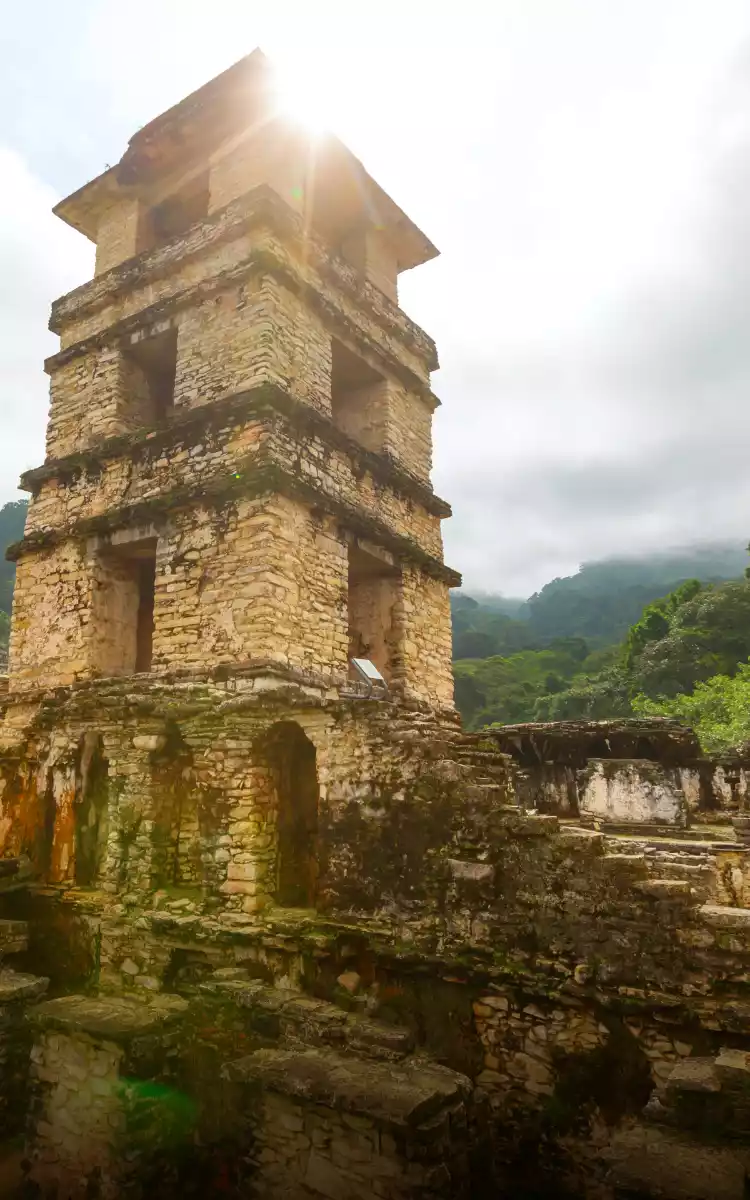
291	757
91	811
176	834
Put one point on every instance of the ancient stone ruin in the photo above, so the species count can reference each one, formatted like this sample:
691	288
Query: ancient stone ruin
277	931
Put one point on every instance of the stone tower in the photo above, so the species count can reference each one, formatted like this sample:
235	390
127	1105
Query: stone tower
239	439
235	502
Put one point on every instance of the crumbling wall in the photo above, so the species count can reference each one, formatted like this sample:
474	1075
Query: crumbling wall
632	792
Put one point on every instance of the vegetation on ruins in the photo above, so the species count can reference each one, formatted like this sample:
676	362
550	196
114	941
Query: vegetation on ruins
685	656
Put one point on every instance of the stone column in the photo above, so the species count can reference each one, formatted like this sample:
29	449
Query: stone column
84	1048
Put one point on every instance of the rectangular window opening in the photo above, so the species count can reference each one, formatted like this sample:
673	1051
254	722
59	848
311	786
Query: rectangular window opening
144	641
124	621
373	591
153	381
175	214
357	397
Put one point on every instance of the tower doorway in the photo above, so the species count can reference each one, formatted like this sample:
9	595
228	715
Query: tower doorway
292	758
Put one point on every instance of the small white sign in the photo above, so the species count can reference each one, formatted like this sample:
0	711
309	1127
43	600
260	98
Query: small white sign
367	670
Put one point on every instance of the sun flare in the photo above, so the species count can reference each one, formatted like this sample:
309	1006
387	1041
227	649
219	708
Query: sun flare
305	99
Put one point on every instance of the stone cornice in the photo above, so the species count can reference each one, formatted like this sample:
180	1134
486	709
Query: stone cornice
181	693
261	206
258	478
257	401
259	262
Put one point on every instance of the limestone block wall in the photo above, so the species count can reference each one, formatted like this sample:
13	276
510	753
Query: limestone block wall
259	578
530	1044
339	474
78	1111
715	787
223	455
129	803
84	394
52	605
118	480
217	261
422	663
93	1127
408	434
260	157
635	791
249	579
257	332
117	235
209	251
18	993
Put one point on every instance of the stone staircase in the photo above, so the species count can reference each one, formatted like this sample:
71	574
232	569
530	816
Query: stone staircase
709	871
693	1142
298	1020
338	1103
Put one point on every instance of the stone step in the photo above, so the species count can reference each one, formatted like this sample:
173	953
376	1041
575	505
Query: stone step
16	986
721	916
665	889
404	1096
298	1019
687	849
696	872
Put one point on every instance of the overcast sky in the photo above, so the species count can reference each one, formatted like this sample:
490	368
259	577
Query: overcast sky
584	167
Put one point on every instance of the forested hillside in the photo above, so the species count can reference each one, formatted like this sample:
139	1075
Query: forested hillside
12	518
587	645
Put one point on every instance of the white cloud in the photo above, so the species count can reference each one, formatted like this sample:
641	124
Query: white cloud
585	169
40	258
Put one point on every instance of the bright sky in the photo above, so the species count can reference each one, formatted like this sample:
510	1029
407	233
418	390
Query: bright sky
584	166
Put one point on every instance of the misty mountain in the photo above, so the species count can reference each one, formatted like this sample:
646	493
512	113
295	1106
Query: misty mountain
12	519
599	603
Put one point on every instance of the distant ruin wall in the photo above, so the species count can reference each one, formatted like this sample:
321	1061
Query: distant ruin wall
623	772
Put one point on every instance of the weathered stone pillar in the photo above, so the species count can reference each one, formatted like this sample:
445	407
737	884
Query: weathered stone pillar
84	1051
130	854
346	1129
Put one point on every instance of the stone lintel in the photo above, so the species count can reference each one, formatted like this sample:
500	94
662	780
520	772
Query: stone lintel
109	1018
260	206
256	401
265	478
401	1096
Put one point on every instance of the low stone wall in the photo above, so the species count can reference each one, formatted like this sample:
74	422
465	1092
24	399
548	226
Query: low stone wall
349	1130
82	1137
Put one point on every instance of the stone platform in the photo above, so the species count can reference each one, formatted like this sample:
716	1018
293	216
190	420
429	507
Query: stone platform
348	1130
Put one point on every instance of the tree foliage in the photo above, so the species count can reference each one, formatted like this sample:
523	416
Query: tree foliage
683	639
12	520
718	710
